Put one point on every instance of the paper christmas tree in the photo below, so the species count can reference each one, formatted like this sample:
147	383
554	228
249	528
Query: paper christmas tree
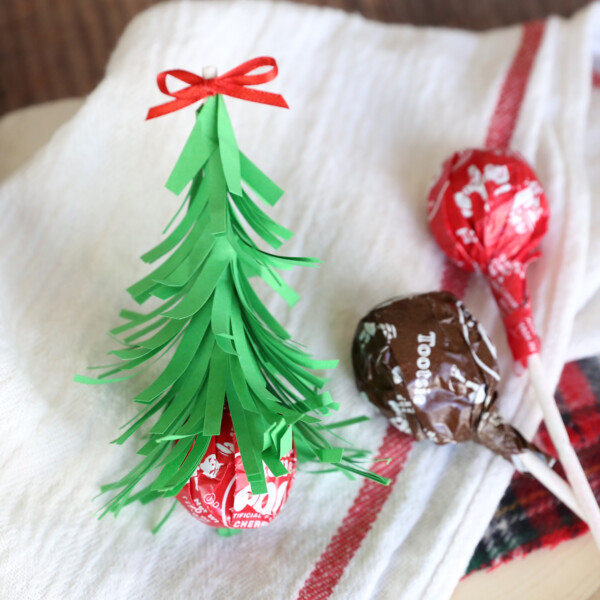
221	348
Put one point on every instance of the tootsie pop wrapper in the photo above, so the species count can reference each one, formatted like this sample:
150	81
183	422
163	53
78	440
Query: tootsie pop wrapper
219	494
429	367
488	212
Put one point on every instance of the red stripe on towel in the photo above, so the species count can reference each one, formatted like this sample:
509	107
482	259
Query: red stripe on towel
507	110
371	497
454	279
358	520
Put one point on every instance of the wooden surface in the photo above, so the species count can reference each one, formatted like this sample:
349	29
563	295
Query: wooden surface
52	49
571	571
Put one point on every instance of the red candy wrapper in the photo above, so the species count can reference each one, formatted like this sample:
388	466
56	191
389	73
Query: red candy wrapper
219	495
488	212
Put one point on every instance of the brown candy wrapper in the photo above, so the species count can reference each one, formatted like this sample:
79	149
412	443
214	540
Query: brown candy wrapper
429	367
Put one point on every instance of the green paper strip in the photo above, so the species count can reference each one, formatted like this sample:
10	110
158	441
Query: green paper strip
272	405
239	237
285	442
178	453
131	353
144	318
274	280
198	203
194	426
268	191
95	381
128	364
254	305
197	149
188	346
217	195
190	265
299	378
142	332
364	473
240	386
141	418
247	359
217	382
171	329
275	465
205	283
140	291
345	423
247	431
194	379
261	224
171	466
221	312
286	263
272	435
148	360
165	518
171	241
273	226
133	476
330	455
228	149
188	468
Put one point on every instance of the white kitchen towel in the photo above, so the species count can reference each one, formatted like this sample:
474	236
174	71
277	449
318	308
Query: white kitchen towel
375	109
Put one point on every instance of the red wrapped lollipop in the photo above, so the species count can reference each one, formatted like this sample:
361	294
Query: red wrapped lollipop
219	493
488	212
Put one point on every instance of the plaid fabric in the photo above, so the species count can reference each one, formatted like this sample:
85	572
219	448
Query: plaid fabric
528	516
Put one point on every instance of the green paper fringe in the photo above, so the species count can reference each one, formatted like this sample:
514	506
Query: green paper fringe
226	345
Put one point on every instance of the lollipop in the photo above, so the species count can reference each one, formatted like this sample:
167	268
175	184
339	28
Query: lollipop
219	494
488	212
427	365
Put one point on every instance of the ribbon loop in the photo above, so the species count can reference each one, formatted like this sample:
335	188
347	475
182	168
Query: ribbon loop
241	74
233	83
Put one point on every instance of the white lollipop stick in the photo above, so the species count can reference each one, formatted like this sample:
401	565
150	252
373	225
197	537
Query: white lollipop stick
209	72
551	481
560	438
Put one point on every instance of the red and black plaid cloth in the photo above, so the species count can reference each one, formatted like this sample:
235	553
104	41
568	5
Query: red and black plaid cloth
528	516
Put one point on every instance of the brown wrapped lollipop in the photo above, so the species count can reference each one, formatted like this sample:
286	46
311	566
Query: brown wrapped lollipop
429	367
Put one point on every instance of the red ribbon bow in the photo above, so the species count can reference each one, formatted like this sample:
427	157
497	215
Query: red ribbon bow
233	83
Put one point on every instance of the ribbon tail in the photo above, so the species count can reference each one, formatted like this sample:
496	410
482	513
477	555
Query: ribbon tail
168	107
259	96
